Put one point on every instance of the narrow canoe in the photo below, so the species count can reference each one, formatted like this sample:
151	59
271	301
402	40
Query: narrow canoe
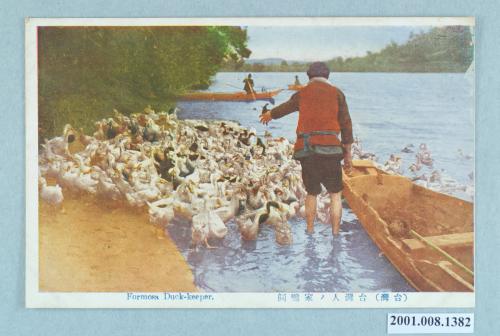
294	87
426	235
230	96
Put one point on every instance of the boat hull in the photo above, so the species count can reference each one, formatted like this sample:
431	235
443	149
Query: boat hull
294	87
229	96
392	208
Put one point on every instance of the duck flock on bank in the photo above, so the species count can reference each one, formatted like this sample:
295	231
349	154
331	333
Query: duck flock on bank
206	172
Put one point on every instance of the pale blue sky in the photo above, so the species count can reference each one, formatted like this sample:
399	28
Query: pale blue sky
312	43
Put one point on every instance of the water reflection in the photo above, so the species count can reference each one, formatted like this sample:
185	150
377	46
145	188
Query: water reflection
313	263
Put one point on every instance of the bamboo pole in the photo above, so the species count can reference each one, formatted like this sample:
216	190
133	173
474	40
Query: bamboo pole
253	94
252	90
444	253
234	86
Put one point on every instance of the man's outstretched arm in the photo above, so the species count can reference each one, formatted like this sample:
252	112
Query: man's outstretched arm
282	110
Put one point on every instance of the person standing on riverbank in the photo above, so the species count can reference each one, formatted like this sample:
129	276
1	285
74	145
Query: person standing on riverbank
249	85
323	116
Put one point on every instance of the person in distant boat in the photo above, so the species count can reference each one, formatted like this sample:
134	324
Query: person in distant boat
297	81
323	118
249	85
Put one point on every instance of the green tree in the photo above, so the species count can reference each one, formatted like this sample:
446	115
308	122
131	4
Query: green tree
85	72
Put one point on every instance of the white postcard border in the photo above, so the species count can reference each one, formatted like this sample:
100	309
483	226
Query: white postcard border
258	21
251	300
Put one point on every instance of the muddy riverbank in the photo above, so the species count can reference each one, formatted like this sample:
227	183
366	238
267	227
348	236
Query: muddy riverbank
91	246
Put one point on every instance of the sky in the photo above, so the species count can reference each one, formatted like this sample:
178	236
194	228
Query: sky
323	43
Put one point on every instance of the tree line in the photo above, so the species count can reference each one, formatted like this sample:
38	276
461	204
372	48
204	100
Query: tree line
442	49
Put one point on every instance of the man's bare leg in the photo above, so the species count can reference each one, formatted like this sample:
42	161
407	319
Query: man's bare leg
336	211
310	212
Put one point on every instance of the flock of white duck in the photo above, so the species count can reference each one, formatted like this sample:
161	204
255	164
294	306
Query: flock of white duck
206	172
422	170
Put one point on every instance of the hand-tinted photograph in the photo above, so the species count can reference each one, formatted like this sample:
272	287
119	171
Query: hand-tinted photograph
255	158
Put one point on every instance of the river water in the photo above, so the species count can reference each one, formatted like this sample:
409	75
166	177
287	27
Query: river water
388	112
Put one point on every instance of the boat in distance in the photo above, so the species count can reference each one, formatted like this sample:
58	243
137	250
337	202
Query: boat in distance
428	236
294	87
229	96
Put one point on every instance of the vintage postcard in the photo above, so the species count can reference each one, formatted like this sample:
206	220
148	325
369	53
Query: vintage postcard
250	163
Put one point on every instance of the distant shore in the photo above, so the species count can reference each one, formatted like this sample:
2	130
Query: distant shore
92	247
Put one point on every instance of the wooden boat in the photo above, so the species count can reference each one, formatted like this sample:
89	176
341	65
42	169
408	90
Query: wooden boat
229	96
426	235
294	87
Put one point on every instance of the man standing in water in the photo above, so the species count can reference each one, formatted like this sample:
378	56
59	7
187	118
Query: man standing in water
248	84
323	115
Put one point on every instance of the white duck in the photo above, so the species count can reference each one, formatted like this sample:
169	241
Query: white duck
68	174
50	169
85	182
393	165
51	194
268	214
135	200
48	153
289	210
163	186
59	145
249	228
184	210
256	197
185	192
302	211
106	188
161	212
283	233
296	187
228	211
323	216
323	208
122	185
204	175
207	224
216	226
284	193
140	197
99	133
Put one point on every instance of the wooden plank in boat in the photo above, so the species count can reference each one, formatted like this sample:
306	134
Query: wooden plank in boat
372	171
363	163
447	267
448	240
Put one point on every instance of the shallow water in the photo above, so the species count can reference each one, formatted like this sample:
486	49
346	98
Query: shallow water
388	112
313	263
